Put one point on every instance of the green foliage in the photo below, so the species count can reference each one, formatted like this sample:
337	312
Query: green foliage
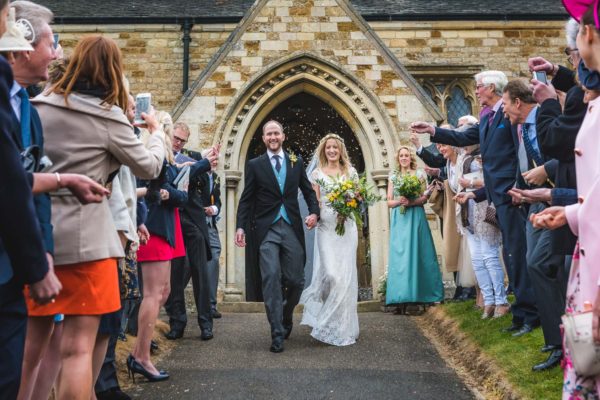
348	197
515	356
407	185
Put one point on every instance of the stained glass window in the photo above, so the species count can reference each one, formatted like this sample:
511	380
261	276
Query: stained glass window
457	105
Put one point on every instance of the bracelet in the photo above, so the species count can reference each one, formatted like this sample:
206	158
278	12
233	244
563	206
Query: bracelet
58	182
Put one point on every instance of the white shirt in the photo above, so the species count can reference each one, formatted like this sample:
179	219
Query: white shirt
15	100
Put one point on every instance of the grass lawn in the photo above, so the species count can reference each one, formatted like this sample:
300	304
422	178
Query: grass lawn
515	356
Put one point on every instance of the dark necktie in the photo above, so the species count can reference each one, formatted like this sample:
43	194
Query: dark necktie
25	118
491	116
531	153
277	163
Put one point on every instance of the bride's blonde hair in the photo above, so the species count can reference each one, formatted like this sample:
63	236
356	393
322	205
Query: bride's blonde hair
344	159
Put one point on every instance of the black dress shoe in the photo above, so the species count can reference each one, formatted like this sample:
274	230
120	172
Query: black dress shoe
525	329
287	330
550	347
513	328
153	346
206	334
174	334
277	345
553	360
113	394
215	313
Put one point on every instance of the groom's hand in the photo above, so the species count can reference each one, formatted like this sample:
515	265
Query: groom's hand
311	221
240	238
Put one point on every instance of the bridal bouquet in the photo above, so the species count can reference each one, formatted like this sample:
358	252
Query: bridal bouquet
347	197
407	185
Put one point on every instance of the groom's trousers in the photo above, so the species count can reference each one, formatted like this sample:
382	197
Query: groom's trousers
281	260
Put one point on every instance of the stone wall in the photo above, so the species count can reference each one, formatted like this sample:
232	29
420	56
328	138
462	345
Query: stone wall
154	53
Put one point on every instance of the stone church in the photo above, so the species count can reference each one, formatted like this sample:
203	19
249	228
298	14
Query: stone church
363	69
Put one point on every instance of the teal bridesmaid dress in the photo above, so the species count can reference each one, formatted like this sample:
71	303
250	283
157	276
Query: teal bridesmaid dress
413	271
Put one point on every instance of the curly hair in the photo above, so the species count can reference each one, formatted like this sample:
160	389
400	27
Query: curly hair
345	163
413	157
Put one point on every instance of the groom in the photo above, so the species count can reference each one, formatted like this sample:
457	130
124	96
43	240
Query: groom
269	203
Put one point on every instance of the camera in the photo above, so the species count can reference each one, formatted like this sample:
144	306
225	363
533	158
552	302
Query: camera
540	76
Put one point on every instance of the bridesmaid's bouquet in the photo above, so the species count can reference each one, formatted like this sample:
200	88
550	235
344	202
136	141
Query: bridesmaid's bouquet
348	198
407	185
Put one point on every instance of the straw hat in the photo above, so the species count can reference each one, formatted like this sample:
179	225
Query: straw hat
14	38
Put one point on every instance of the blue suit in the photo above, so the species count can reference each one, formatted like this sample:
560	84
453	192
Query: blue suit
499	151
22	253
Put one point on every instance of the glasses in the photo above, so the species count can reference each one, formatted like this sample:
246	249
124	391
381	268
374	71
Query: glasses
180	140
479	86
570	53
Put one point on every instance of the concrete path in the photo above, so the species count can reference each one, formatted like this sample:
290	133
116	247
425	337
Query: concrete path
391	360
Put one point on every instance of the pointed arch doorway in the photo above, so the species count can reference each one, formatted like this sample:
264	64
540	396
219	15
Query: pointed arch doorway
306	119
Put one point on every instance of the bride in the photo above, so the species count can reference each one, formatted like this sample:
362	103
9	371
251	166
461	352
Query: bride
330	300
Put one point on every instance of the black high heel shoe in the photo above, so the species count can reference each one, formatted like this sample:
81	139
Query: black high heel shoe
134	367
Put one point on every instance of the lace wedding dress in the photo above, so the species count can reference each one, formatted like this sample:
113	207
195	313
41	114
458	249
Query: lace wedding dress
330	300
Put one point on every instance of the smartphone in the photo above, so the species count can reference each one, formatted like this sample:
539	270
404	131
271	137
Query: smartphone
142	105
55	41
540	76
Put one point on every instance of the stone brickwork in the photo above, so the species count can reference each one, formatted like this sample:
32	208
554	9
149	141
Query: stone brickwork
153	54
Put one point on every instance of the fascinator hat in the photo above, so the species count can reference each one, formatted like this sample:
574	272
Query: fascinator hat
578	7
14	38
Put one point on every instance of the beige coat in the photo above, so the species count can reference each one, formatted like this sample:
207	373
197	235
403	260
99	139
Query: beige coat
87	138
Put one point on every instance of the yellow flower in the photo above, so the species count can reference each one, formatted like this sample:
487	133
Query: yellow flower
352	203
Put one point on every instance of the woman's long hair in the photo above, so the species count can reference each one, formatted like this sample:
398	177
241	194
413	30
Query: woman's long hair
413	158
97	61
344	159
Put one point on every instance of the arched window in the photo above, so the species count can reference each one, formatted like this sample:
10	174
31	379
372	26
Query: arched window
454	97
457	105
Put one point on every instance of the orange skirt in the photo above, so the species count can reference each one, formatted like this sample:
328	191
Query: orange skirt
88	288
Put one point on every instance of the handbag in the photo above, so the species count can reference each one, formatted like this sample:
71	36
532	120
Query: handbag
436	202
490	216
584	353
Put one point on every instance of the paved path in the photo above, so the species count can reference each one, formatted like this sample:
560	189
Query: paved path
392	360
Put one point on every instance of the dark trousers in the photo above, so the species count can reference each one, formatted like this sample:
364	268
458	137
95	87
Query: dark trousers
13	328
107	379
512	224
546	272
213	264
196	255
281	260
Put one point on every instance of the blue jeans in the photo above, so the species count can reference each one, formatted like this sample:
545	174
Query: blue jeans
488	270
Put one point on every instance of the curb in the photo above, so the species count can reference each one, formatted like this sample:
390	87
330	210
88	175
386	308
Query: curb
479	371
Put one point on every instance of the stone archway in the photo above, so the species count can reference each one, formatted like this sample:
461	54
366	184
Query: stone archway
361	110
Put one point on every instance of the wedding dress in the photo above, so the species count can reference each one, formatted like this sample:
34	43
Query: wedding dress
330	300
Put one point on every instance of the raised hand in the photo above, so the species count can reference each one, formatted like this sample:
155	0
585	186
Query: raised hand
422	127
542	91
414	139
540	64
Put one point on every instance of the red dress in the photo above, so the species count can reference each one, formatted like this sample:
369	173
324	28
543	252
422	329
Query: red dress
158	249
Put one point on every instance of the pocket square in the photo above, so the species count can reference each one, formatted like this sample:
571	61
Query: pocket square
501	126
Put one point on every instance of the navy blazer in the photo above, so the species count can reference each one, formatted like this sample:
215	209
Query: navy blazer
499	153
43	204
161	214
22	254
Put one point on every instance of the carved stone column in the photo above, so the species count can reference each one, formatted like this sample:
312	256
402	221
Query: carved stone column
379	227
233	291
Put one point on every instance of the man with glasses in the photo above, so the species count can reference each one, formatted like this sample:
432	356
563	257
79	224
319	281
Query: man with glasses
197	243
499	153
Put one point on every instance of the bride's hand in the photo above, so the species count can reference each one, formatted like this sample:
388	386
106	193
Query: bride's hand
404	201
311	221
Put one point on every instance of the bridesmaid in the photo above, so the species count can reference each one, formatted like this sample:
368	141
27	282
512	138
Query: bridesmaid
413	271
